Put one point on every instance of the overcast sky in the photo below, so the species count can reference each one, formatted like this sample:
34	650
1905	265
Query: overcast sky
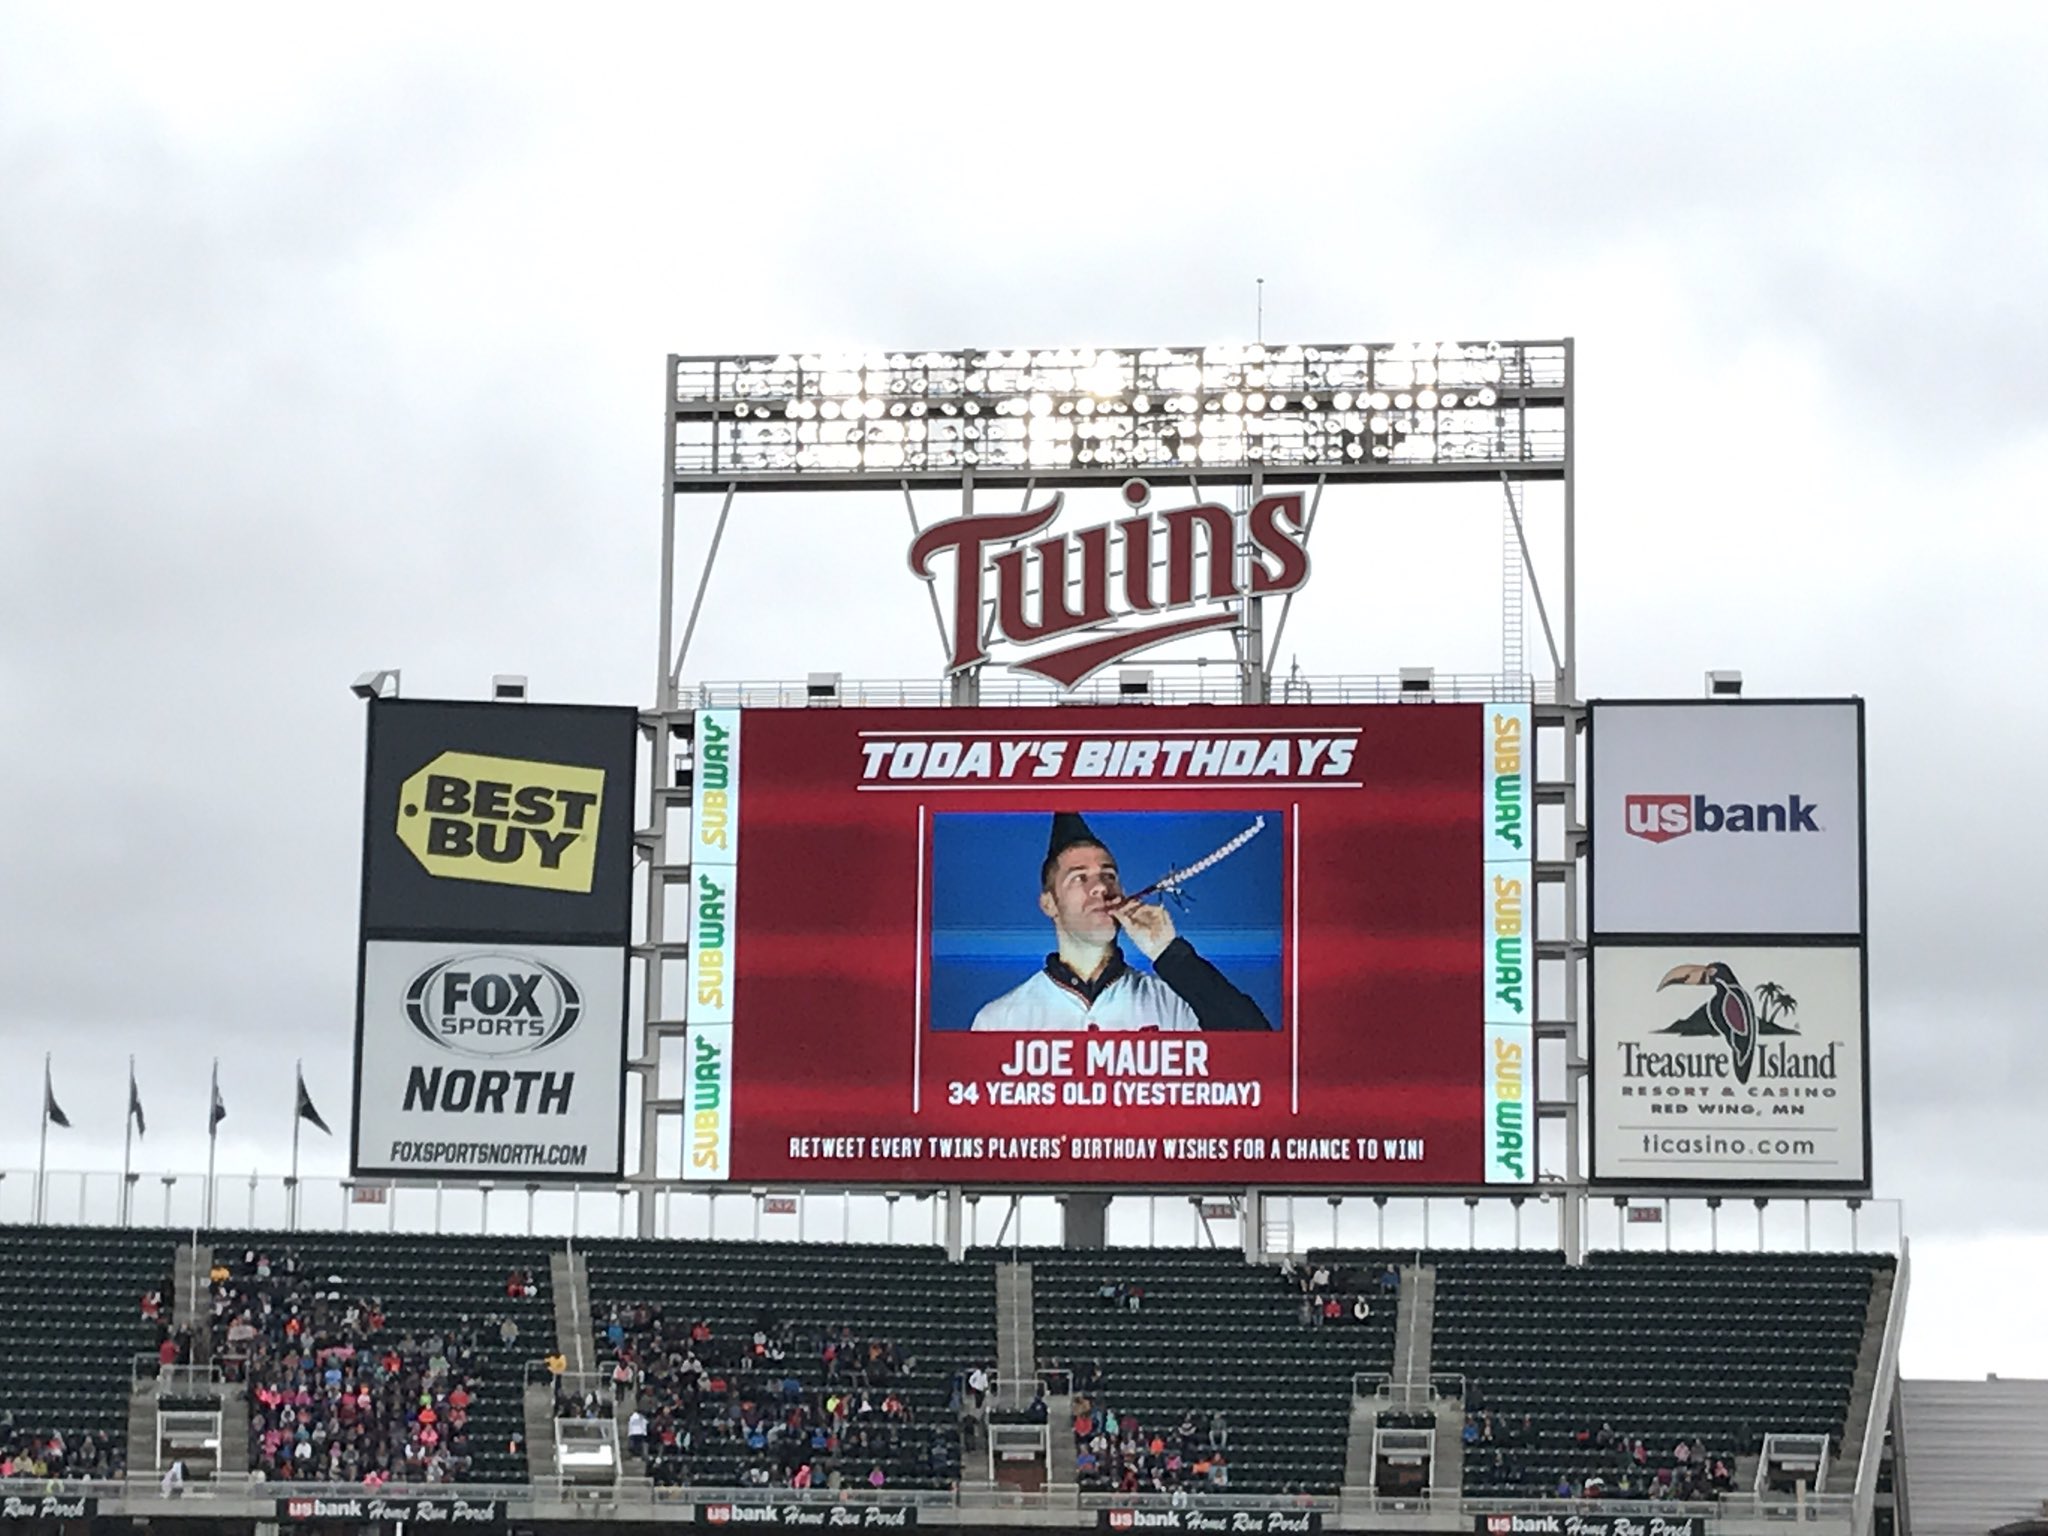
331	340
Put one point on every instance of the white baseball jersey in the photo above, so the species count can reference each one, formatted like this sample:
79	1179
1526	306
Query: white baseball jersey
1134	1000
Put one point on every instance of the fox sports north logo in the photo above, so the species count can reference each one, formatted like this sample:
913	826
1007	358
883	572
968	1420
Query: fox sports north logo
492	1004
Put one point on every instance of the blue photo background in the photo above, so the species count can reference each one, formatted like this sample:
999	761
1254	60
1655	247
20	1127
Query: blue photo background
988	935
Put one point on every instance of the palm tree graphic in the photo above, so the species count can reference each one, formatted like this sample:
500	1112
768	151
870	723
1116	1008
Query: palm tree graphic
1777	1004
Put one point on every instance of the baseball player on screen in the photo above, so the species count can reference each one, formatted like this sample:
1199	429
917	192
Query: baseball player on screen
1086	983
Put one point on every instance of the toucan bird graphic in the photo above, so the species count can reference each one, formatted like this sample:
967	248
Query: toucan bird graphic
1730	1012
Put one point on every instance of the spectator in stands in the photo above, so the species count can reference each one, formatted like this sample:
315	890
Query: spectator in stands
333	1398
704	1392
49	1454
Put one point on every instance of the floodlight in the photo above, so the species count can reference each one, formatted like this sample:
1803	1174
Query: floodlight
508	688
381	684
1724	685
1293	411
1418	682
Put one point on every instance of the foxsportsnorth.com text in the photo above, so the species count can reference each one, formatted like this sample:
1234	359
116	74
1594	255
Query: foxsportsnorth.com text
495	1154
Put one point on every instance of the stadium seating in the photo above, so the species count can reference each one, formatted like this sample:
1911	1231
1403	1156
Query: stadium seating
432	1284
1722	1347
1214	1333
940	1315
70	1324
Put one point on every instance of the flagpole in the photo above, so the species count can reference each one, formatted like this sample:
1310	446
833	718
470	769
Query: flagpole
292	1198
212	1138
127	1142
43	1141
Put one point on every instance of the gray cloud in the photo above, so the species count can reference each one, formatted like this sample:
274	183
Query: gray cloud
330	352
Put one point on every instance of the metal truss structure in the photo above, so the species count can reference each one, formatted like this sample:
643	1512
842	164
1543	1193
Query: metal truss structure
1241	420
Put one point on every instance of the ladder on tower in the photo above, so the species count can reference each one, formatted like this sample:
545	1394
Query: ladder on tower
1512	662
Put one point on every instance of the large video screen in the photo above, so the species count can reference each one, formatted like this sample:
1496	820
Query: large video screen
1116	946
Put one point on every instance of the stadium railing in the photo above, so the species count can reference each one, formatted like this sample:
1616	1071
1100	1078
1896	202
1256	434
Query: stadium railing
1404	1223
233	1498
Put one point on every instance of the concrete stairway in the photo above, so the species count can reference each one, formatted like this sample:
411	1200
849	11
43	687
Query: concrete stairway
191	1296
538	1403
1365	1422
1848	1456
1408	1391
1016	1338
570	1278
142	1429
1060	1456
234	1431
1414	1328
622	1413
1447	1451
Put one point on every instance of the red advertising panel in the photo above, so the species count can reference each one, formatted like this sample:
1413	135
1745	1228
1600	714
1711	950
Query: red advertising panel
1116	946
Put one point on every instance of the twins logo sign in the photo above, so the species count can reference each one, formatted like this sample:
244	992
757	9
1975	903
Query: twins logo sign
1083	590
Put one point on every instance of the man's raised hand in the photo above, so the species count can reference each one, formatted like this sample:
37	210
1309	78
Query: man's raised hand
1149	925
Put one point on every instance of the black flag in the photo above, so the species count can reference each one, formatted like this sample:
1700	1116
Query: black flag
135	1104
51	1111
306	1111
220	1110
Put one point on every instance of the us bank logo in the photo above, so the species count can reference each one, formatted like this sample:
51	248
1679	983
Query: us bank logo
1660	818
